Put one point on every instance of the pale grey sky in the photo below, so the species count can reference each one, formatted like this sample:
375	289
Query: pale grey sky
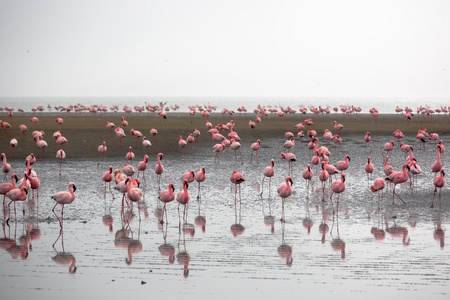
328	48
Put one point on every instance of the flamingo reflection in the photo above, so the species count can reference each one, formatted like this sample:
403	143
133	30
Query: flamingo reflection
269	220
200	220
284	250
398	231
64	258
167	249
337	243
183	256
439	233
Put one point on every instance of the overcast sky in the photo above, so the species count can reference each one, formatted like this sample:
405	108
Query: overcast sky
328	48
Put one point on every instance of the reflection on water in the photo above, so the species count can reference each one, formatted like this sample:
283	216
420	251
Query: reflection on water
229	235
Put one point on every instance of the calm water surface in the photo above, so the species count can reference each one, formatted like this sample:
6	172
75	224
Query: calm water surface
224	251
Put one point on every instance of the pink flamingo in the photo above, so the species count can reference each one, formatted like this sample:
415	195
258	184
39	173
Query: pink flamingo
388	147
124	122
284	191
6	187
146	143
439	182
17	194
130	155
6	167
200	176
189	176
128	170
134	193
323	177
268	172
183	198
35	182
166	197
120	134
60	155
337	187
64	198
159	169
367	139
288	145
110	126
142	166
338	127
190	140
290	157
437	165
218	148
237	178
108	176
342	165
41	144
101	149
236	146
398	135
368	168
153	133
255	147
307	174
24	129
251	124
397	178
387	169
378	185
13	143
182	143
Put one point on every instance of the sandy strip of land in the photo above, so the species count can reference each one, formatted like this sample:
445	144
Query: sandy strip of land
85	132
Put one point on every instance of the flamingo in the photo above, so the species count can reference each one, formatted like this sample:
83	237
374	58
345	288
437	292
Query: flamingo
35	182
367	139
397	178
64	198
387	169
41	144
237	178
13	143
17	194
342	165
439	182
323	177
128	170
218	148
6	187
118	176
166	197
142	166
134	193
337	187
290	157
200	176
388	147
182	143
268	172
159	169
60	155
183	198
190	176
146	143
6	167
338	127
101	149
130	155
437	165
368	168
284	191
124	122
378	185
120	134
108	176
236	147
255	147
153	133
307	174
289	144
110	126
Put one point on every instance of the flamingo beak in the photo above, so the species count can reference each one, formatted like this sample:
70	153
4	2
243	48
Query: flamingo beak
74	188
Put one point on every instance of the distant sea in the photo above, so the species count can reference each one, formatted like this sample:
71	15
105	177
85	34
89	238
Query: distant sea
384	105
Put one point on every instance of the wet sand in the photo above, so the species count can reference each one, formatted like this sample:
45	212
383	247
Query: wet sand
86	132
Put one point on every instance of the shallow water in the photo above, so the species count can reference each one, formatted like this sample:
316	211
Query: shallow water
396	251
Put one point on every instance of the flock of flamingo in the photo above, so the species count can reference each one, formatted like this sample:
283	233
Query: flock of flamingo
129	187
